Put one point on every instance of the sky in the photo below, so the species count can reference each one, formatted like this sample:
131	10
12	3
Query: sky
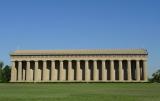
80	24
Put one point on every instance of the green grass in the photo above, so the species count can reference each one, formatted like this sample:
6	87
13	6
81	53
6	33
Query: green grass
80	92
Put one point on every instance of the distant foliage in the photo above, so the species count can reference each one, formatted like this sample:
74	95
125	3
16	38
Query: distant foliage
156	76
1	67
5	73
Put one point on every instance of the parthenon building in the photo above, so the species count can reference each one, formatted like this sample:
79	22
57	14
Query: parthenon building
119	65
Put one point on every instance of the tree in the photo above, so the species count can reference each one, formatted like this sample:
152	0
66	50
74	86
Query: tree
156	76
1	68
6	74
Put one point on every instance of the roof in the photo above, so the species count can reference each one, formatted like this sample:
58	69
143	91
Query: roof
81	52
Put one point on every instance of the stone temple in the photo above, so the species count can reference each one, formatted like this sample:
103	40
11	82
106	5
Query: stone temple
113	65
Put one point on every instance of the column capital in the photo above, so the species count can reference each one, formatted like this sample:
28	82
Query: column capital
61	60
137	62
120	60
86	60
13	62
103	60
95	60
77	60
111	60
69	60
145	60
138	59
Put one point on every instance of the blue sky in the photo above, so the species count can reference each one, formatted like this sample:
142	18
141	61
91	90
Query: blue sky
80	24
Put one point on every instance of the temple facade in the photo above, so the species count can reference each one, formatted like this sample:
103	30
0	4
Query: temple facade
119	65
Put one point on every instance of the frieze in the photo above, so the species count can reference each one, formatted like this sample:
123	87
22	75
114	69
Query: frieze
80	57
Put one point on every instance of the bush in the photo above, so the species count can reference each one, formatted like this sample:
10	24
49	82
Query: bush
156	77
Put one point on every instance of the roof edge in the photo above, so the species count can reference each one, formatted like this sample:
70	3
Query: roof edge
79	51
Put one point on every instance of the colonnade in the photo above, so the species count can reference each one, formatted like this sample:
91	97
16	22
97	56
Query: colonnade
79	70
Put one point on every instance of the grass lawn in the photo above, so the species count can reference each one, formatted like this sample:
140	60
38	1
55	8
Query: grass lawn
79	92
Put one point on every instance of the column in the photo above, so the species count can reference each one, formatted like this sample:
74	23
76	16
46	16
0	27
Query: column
86	70
19	71
78	71
53	76
61	71
129	70
36	71
23	73
137	71
28	71
13	72
69	70
112	72
120	71
104	73
44	70
145	70
95	71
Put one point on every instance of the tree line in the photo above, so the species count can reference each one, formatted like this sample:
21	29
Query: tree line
5	74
